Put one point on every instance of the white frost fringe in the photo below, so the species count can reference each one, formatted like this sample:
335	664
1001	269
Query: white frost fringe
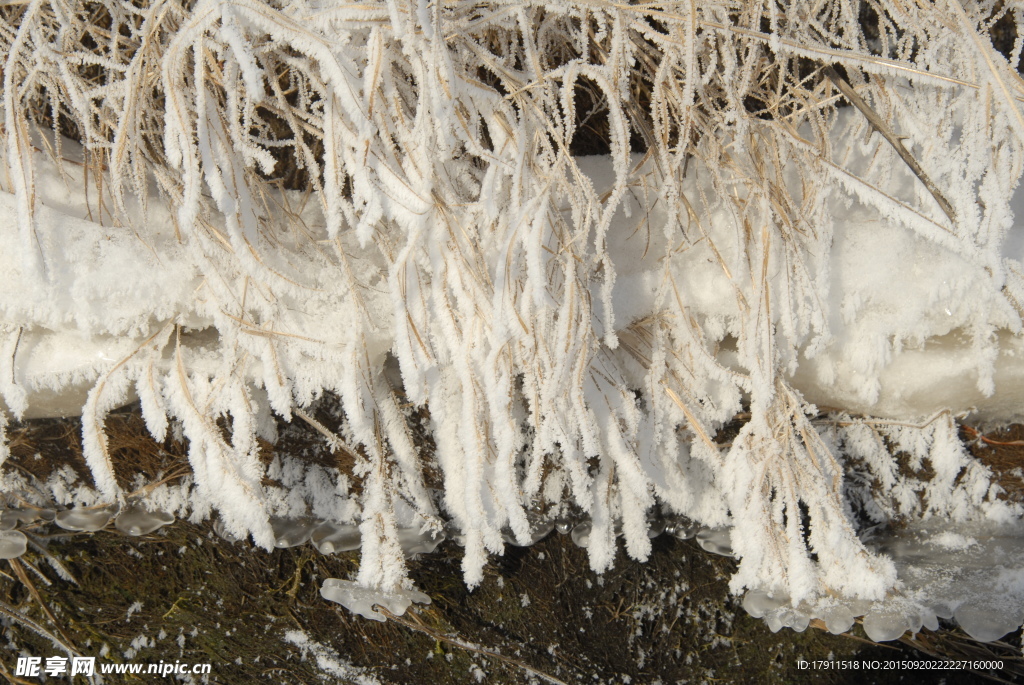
579	329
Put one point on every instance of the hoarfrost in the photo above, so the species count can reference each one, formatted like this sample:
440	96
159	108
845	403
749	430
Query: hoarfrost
580	329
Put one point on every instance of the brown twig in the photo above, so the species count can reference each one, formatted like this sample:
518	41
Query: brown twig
876	123
27	582
974	433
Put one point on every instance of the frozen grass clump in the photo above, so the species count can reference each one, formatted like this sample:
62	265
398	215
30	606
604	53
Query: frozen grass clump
239	207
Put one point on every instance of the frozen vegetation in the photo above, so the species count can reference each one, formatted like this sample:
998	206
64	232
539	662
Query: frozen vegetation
847	279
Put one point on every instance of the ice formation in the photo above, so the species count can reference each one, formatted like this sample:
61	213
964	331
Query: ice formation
757	603
656	526
682	530
13	544
361	600
579	329
291	532
716	541
581	533
885	625
221	531
330	537
88	519
417	541
979	582
135	519
838	618
23	515
969	572
540	528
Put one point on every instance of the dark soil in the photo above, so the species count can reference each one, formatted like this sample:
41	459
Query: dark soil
205	600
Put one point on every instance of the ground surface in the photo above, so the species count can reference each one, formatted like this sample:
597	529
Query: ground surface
204	600
185	594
